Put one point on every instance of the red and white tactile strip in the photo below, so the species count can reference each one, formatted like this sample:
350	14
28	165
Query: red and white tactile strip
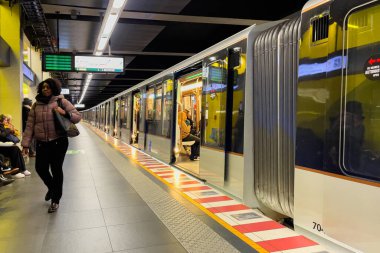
257	230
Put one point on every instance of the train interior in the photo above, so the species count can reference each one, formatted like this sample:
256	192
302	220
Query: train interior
189	99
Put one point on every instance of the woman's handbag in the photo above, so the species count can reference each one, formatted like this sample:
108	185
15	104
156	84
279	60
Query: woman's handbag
63	125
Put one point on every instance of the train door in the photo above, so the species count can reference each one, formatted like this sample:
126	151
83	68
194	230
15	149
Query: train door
123	118
136	115
115	118
189	100
100	117
142	130
96	116
214	104
107	117
103	126
128	117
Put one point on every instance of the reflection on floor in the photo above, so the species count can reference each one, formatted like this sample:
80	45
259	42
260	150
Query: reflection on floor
184	162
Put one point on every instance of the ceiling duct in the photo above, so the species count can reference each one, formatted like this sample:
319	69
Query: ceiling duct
35	26
36	29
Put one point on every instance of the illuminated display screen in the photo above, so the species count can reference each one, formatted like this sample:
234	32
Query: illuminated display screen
98	64
216	75
57	62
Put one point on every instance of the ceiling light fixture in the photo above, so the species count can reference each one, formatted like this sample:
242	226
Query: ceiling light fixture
102	44
110	24
112	15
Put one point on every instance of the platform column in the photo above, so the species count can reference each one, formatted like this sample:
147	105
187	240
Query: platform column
11	77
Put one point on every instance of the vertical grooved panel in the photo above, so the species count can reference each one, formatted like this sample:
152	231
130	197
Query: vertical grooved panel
275	77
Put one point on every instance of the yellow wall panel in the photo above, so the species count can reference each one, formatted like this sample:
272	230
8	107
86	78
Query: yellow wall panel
10	77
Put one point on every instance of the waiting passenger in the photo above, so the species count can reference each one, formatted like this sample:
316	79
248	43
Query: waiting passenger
3	169
51	147
26	106
8	133
17	160
185	128
193	127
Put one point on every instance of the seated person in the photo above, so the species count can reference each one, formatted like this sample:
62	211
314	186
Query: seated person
13	152
4	169
193	127
8	124
17	160
7	130
185	128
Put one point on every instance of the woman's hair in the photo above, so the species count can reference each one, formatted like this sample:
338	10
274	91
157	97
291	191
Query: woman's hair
54	84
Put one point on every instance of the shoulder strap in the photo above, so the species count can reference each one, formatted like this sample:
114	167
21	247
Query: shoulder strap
34	105
59	102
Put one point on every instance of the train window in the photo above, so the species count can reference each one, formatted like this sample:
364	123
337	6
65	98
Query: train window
127	111
149	111
214	93
237	83
320	28
360	123
158	110
158	102
167	107
123	113
115	123
149	104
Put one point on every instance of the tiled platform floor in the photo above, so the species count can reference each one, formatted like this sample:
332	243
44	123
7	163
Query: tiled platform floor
250	225
101	211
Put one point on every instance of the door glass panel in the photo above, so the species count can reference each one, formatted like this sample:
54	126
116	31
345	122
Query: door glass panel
214	93
167	107
360	145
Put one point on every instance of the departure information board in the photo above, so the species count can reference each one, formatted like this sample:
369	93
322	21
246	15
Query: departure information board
98	63
57	62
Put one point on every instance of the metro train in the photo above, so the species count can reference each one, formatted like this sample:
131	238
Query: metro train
288	114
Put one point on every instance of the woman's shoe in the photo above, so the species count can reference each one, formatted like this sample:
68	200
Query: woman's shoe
26	173
18	176
53	207
48	196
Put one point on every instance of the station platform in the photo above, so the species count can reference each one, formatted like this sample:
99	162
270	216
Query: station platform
119	199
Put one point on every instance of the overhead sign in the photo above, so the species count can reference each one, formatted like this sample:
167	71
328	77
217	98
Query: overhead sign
98	63
79	105
65	91
57	62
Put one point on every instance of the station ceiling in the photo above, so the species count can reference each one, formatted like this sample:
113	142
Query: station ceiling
152	35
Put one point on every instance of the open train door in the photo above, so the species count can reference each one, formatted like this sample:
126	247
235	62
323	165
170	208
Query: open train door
189	100
136	118
213	122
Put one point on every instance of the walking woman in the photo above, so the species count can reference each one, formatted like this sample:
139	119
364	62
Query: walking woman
51	147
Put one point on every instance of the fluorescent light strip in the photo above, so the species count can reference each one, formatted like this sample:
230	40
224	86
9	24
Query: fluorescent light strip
87	83
117	4
110	24
102	43
113	12
191	86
